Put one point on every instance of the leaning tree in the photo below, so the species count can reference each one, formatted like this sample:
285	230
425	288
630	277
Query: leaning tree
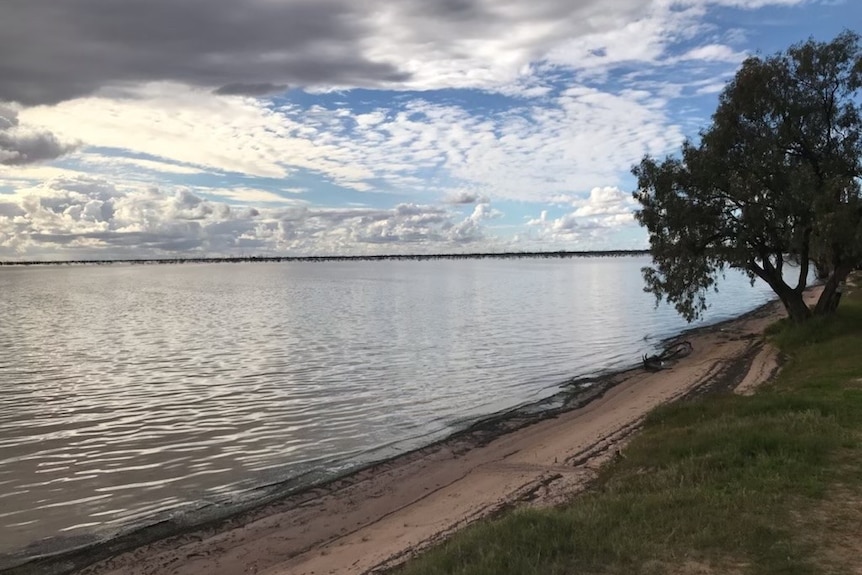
775	178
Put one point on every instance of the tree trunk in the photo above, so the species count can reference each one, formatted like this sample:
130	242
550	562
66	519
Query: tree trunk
795	305
792	299
822	269
831	294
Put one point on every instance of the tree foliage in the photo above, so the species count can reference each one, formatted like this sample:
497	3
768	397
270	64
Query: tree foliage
775	178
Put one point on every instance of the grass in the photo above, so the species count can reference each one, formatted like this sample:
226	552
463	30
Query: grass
766	484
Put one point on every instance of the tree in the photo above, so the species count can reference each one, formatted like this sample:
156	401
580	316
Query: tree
775	178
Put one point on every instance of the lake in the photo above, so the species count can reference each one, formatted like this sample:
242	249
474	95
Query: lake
129	392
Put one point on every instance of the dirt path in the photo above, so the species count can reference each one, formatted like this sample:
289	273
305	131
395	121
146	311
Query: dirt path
381	516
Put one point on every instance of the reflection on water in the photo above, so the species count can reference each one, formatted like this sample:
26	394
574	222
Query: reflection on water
126	391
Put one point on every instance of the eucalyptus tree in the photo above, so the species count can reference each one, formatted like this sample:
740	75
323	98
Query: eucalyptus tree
775	178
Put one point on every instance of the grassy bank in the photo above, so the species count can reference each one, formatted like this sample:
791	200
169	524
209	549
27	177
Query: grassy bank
765	484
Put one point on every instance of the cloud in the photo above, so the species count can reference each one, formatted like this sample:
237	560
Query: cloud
484	211
74	217
246	195
259	89
533	151
604	201
711	88
464	197
603	209
169	87
87	215
714	53
84	45
179	125
566	225
21	144
472	102
123	164
55	51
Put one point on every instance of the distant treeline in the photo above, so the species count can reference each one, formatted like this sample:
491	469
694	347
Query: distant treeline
415	257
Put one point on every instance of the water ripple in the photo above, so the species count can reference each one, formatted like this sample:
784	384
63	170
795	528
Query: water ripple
128	391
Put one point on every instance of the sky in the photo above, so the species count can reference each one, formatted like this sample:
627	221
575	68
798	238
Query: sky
173	128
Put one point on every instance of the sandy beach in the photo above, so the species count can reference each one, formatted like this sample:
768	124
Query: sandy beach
382	515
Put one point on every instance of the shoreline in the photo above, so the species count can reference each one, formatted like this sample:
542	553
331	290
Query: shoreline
294	490
186	545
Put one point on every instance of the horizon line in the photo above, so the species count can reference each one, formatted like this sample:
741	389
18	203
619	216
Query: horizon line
381	257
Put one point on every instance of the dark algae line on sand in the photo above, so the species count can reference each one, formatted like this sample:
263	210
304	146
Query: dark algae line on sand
764	484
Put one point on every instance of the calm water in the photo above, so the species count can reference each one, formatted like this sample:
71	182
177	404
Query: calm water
132	391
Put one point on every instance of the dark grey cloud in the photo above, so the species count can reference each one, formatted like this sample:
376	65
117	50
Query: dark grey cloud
51	51
457	10
260	89
22	145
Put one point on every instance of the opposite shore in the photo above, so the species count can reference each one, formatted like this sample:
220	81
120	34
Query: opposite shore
343	258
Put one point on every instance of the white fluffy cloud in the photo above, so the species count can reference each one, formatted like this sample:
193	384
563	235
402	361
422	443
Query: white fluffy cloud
86	217
603	209
531	152
607	201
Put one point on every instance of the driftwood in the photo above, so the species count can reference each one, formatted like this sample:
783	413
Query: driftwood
666	358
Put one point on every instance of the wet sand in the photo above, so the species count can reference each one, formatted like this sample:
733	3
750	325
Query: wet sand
380	516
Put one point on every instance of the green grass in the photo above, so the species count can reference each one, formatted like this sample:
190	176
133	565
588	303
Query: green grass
763	484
